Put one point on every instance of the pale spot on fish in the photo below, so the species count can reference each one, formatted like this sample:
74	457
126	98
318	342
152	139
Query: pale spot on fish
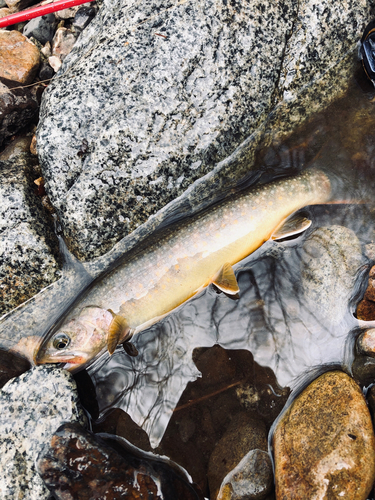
235	221
177	267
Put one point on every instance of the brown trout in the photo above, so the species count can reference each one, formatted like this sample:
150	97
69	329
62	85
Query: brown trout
150	282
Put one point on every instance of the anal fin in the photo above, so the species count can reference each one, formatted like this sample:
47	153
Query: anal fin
225	280
292	226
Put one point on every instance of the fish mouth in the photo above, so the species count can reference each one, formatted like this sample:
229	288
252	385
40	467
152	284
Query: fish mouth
75	359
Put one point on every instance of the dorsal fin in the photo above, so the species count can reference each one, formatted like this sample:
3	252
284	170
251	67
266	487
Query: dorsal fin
293	225
118	329
225	280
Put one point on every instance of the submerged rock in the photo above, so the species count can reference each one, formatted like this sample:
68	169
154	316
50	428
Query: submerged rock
244	434
324	445
79	465
251	479
331	257
200	81
28	246
32	407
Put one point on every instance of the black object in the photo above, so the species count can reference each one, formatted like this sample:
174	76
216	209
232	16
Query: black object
368	51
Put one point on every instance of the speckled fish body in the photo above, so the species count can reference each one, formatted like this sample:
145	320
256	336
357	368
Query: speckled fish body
156	280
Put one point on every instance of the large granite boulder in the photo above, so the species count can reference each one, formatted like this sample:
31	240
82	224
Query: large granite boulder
157	95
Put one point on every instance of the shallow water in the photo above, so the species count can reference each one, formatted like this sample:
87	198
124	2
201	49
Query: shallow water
288	323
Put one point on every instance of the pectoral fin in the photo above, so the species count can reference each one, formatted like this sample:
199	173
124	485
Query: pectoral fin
118	330
226	281
293	225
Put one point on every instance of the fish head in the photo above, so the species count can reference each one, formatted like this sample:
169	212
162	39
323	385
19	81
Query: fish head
78	340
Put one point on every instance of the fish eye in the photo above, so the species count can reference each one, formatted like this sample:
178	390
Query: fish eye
61	341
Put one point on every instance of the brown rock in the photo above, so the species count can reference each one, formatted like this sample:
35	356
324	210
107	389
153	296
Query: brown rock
79	466
244	434
366	310
19	58
324	445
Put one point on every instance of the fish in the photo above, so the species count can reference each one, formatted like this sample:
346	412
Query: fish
165	271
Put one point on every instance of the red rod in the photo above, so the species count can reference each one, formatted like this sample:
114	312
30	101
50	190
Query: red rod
25	15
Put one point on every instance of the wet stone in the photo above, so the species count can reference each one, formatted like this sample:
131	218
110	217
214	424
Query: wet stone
77	464
363	369
324	445
19	58
251	479
32	407
29	253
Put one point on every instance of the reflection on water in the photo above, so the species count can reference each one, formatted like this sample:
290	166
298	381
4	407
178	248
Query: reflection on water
275	318
296	297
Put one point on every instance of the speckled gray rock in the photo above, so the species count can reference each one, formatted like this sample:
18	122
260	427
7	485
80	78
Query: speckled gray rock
162	92
28	246
32	408
331	257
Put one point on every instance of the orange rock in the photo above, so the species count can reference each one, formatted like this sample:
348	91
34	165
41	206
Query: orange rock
19	58
324	445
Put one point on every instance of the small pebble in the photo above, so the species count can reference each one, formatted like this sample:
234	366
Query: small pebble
62	43
55	63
